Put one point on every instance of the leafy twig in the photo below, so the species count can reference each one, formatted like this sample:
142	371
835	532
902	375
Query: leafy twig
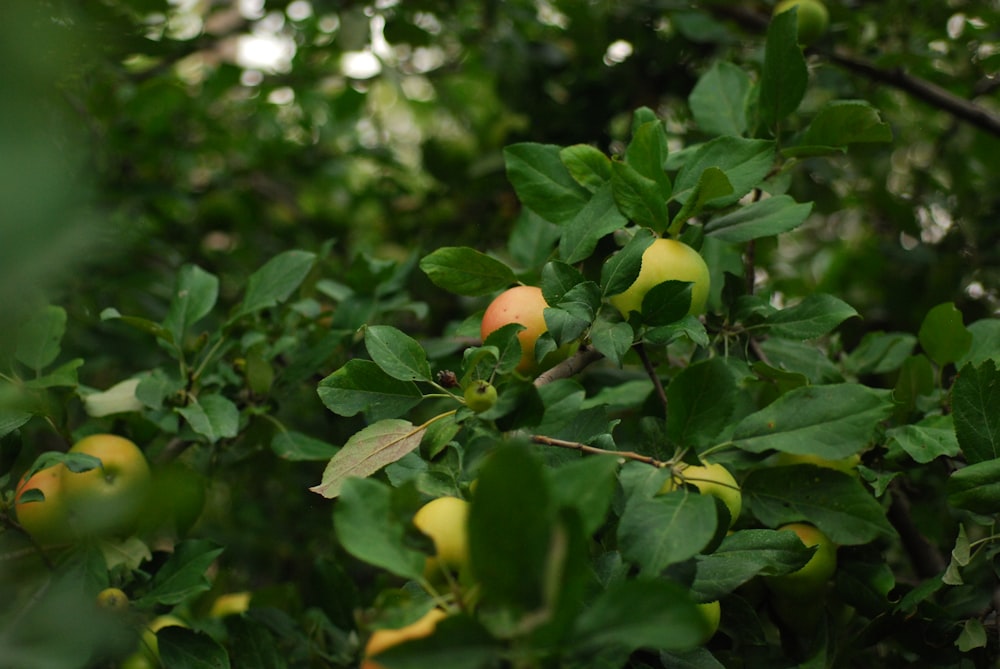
651	372
593	450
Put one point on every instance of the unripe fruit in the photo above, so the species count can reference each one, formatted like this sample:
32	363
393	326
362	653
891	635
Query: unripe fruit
383	639
480	396
44	520
444	520
230	604
520	304
811	579
666	260
712	613
813	18
712	479
112	599
108	499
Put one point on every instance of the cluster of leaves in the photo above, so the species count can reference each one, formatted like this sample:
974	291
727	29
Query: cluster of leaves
577	556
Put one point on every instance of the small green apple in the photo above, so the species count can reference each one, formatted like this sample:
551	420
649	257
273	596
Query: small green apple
811	579
711	479
480	396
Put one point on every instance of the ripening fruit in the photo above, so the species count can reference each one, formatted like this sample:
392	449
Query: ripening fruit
445	521
112	599
811	579
520	304
106	500
44	520
480	396
712	613
813	18
383	639
666	260
712	479
230	604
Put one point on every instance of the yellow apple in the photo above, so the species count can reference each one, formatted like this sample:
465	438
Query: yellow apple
711	479
106	500
811	579
712	613
445	520
383	639
666	260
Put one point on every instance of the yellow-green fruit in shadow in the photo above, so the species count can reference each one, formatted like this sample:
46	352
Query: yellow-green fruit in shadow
813	18
666	260
811	579
712	613
712	479
383	639
112	599
445	520
106	500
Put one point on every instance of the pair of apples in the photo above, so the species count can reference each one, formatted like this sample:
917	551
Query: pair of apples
664	260
103	501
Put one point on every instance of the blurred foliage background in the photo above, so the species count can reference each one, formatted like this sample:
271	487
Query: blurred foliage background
144	134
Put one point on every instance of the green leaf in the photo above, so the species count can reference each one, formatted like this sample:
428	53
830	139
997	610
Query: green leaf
368	451
252	645
718	100
63	376
973	636
183	648
611	338
932	438
194	297
511	524
656	532
639	198
465	271
640	613
275	281
942	334
785	77
647	152
141	324
842	122
587	485
397	354
620	270
212	416
745	554
10	420
702	399
183	574
370	529
598	218
759	219
362	386
975	400
713	184
542	182
119	398
588	165
298	447
880	352
831	421
817	315
835	502
531	240
39	337
745	163
976	487
666	302
985	342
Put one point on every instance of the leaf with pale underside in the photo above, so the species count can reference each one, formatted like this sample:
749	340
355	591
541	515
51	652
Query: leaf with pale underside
368	451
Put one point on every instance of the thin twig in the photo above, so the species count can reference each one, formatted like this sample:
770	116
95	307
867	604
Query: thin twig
570	366
651	371
926	559
593	450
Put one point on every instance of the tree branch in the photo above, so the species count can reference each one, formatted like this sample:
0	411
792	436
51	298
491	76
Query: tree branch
927	561
570	366
921	89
